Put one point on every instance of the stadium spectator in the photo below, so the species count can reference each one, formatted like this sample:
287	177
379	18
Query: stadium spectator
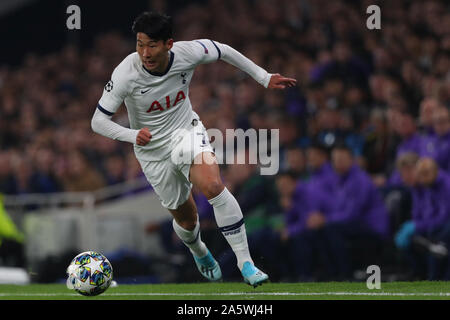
296	162
357	213
427	109
327	126
293	241
379	147
441	141
306	206
322	176
411	140
398	190
350	135
430	219
300	240
43	179
304	210
404	175
343	65
80	175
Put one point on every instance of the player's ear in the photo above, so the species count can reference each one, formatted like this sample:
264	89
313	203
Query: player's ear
169	43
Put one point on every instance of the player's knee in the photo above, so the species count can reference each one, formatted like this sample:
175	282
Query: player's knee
213	189
187	224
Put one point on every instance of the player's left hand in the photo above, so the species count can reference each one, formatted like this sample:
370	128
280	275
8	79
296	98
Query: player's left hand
277	81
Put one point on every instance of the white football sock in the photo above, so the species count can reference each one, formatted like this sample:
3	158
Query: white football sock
191	239
230	221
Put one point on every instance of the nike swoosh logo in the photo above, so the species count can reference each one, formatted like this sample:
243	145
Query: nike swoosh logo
142	91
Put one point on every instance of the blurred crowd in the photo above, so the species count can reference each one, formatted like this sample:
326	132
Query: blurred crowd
364	137
46	104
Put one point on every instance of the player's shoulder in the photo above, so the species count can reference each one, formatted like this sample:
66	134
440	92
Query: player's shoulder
190	45
182	45
125	73
187	50
126	69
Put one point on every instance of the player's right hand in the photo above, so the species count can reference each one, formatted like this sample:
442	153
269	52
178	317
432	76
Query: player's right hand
143	137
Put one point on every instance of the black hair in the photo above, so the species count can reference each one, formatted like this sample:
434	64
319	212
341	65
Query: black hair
288	173
155	25
341	145
318	145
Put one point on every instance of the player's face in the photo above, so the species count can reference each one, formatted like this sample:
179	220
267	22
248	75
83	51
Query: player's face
153	53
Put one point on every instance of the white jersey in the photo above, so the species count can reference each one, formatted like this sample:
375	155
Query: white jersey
160	101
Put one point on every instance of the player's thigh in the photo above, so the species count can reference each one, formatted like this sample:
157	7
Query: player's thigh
205	174
194	156
169	184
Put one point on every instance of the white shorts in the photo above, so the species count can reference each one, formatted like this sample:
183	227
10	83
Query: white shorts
170	177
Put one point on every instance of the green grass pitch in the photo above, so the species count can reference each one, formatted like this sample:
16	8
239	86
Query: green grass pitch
237	291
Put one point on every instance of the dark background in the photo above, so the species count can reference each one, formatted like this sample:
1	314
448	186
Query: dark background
40	26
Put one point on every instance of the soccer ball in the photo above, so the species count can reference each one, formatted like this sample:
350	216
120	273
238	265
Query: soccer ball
89	273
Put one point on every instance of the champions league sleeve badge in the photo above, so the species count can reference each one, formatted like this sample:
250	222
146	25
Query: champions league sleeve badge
109	86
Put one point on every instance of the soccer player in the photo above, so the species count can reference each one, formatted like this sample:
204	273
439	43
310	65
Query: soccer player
165	131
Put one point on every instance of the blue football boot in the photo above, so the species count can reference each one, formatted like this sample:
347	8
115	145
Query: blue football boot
252	275
209	267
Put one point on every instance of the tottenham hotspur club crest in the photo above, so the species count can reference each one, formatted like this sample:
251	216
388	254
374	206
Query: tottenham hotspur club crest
109	86
183	75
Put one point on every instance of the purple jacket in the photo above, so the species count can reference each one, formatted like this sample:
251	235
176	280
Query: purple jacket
395	179
296	216
441	148
304	201
422	145
321	185
431	205
357	199
323	177
310	196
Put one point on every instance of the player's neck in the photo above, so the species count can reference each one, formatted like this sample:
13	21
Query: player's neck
164	66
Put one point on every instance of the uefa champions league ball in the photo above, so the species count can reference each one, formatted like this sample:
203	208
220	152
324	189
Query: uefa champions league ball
89	273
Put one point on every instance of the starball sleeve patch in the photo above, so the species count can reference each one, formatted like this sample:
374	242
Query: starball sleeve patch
109	86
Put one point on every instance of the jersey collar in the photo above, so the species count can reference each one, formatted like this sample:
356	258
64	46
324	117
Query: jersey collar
160	74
